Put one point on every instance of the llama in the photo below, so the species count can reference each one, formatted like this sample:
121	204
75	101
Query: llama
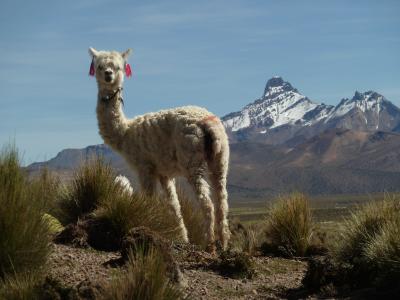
186	141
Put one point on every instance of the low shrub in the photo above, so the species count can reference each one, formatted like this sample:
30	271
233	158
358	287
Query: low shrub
234	264
289	226
24	234
383	252
91	184
23	286
367	254
47	187
33	286
370	243
124	211
144	279
246	238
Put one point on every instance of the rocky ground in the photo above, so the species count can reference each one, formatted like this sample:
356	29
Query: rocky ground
273	278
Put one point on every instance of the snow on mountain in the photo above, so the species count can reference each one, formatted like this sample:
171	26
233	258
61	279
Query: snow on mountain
280	105
284	114
369	101
365	111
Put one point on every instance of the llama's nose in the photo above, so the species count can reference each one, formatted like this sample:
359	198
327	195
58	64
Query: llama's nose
108	75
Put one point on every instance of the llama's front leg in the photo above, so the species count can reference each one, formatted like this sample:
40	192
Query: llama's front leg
202	191
168	185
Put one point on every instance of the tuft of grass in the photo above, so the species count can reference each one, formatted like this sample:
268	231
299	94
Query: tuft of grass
370	243
289	226
23	286
24	234
144	279
124	211
47	187
92	183
234	264
246	238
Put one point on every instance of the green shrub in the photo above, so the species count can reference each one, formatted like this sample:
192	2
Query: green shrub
23	286
370	243
24	234
383	252
289	226
124	211
234	264
144	279
46	187
91	184
246	238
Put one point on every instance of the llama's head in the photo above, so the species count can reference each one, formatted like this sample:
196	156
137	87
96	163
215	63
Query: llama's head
109	67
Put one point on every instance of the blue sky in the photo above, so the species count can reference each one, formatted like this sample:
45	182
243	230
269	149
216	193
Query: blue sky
216	54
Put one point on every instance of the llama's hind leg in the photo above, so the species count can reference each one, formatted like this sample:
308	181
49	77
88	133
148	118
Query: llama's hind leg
169	187
218	177
220	196
202	191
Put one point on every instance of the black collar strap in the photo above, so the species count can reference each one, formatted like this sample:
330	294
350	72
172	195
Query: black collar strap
110	97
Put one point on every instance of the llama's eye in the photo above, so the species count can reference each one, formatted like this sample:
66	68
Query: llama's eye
100	68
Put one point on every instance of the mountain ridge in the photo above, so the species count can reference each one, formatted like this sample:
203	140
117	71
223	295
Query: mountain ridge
283	112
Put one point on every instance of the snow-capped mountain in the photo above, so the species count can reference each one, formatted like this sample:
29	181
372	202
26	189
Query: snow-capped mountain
367	111
280	105
283	114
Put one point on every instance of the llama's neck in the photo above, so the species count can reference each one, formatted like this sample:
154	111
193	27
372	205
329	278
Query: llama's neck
111	119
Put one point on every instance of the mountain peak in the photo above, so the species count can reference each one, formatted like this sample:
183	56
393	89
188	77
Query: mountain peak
277	85
370	95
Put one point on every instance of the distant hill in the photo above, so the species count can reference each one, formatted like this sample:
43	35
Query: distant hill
285	142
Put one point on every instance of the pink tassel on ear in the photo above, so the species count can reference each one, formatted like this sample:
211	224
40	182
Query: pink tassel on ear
128	70
91	71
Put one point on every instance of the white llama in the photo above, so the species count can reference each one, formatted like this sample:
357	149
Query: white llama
186	141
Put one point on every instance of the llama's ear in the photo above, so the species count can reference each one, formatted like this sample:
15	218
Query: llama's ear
126	54
93	52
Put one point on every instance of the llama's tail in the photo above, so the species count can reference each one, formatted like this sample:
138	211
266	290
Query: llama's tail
215	138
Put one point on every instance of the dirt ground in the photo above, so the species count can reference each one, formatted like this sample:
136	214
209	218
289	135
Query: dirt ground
273	278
